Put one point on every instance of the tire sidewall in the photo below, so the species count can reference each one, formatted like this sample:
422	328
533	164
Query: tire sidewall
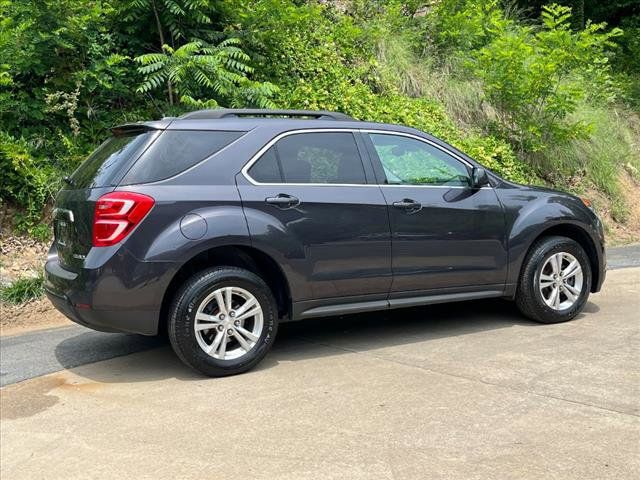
183	335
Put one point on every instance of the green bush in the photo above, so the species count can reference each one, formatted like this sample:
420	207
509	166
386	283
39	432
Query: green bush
536	78
320	62
475	73
25	181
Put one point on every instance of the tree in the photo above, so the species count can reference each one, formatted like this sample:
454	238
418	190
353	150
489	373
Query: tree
197	69
174	20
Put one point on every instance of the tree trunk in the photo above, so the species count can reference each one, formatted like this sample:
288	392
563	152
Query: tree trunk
578	14
162	43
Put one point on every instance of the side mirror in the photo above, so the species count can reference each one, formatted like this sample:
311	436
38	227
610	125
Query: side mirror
479	177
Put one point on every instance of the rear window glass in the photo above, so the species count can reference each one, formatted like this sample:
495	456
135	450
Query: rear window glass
175	151
104	166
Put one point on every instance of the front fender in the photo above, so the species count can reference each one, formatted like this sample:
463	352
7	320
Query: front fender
531	213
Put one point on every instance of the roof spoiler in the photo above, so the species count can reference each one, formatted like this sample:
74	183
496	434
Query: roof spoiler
258	112
138	127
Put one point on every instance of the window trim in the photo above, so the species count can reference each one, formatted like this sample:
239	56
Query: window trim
270	143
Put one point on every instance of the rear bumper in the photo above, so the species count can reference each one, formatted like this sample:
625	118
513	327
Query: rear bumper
98	299
144	323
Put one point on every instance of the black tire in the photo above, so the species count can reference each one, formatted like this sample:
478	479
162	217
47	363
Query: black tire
528	296
183	312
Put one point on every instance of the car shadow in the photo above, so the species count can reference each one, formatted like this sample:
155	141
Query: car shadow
310	339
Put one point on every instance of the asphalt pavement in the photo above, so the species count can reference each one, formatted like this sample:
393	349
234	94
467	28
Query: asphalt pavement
37	353
461	391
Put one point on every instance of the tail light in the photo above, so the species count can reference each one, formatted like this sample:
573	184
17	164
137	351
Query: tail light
116	214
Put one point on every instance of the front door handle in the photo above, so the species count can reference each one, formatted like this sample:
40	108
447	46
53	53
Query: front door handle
283	201
408	204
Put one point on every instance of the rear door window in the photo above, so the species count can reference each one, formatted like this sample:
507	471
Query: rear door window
175	151
105	165
318	157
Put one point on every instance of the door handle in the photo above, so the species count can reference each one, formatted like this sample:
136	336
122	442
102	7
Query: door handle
408	204
283	201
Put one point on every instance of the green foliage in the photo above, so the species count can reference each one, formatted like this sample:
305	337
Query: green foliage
464	26
535	79
317	69
598	159
196	69
24	182
181	18
476	73
23	290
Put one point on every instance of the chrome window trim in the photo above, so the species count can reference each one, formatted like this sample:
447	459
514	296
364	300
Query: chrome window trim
270	143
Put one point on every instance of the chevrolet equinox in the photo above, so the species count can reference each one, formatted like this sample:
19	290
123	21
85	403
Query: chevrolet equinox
215	226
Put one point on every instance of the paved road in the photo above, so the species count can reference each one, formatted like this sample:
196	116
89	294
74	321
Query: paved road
623	257
38	353
465	391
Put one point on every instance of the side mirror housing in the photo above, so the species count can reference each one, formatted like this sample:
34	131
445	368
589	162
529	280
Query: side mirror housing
479	177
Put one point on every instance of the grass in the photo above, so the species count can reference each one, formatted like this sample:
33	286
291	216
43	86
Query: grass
597	160
23	290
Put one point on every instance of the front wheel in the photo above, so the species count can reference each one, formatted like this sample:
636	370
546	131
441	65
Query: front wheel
555	281
223	321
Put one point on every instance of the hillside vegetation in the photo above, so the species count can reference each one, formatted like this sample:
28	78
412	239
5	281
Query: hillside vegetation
535	92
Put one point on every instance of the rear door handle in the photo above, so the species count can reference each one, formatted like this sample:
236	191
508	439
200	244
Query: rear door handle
283	201
408	204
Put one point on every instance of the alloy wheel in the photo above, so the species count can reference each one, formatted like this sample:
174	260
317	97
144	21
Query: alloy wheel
228	323
561	281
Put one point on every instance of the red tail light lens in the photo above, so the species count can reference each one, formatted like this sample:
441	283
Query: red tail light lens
116	214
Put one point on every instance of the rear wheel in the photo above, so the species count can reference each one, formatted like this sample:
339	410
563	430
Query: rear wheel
223	321
555	281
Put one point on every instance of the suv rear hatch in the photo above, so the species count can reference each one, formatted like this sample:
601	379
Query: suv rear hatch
136	154
100	173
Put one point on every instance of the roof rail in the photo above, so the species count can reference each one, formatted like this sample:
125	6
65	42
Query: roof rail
258	112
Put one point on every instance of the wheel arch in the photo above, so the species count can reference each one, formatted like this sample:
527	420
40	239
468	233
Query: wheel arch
242	256
579	235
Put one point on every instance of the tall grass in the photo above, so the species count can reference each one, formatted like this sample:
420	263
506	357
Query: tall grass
598	159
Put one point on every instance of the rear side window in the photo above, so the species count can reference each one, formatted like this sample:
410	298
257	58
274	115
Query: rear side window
104	166
319	157
175	151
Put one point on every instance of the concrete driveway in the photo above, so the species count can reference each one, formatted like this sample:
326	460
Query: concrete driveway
466	391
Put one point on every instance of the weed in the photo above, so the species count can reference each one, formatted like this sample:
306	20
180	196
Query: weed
23	290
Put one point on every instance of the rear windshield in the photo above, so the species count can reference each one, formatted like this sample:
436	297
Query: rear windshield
104	166
175	151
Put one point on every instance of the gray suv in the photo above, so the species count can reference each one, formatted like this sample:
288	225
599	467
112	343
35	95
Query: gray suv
217	225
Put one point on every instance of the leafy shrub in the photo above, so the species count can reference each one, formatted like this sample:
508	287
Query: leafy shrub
24	181
23	290
597	160
535	79
302	49
464	26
